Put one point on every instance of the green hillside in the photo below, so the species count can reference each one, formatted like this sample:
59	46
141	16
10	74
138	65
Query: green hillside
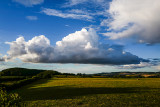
20	72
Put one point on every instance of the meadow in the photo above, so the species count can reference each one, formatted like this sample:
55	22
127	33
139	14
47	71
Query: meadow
91	92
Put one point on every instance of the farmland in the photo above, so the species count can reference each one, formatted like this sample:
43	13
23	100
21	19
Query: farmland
43	88
73	92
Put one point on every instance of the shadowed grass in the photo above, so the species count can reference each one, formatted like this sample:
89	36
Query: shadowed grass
52	93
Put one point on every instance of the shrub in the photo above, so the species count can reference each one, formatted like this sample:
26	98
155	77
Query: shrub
9	100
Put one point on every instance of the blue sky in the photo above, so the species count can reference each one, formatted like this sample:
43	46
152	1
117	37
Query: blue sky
94	35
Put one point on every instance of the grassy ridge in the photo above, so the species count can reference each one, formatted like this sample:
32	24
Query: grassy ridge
17	77
20	72
92	92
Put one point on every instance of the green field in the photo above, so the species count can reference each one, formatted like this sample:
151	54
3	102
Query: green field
92	92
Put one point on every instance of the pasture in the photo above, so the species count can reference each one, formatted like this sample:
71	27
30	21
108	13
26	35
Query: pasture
92	92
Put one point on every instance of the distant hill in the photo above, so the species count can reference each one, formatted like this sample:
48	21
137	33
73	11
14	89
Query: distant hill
129	74
20	72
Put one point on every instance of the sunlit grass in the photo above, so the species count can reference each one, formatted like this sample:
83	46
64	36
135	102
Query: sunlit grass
92	92
100	82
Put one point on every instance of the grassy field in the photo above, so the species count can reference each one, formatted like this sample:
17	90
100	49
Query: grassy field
93	92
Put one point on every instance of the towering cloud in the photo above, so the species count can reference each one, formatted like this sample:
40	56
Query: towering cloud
79	47
134	18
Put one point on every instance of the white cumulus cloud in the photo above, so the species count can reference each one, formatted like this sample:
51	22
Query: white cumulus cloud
134	18
79	47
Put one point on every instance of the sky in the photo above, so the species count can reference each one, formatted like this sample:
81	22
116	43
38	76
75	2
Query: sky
80	36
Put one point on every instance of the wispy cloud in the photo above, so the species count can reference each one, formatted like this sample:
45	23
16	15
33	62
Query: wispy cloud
157	67
29	2
74	2
58	13
67	25
155	63
78	2
91	10
32	17
136	66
